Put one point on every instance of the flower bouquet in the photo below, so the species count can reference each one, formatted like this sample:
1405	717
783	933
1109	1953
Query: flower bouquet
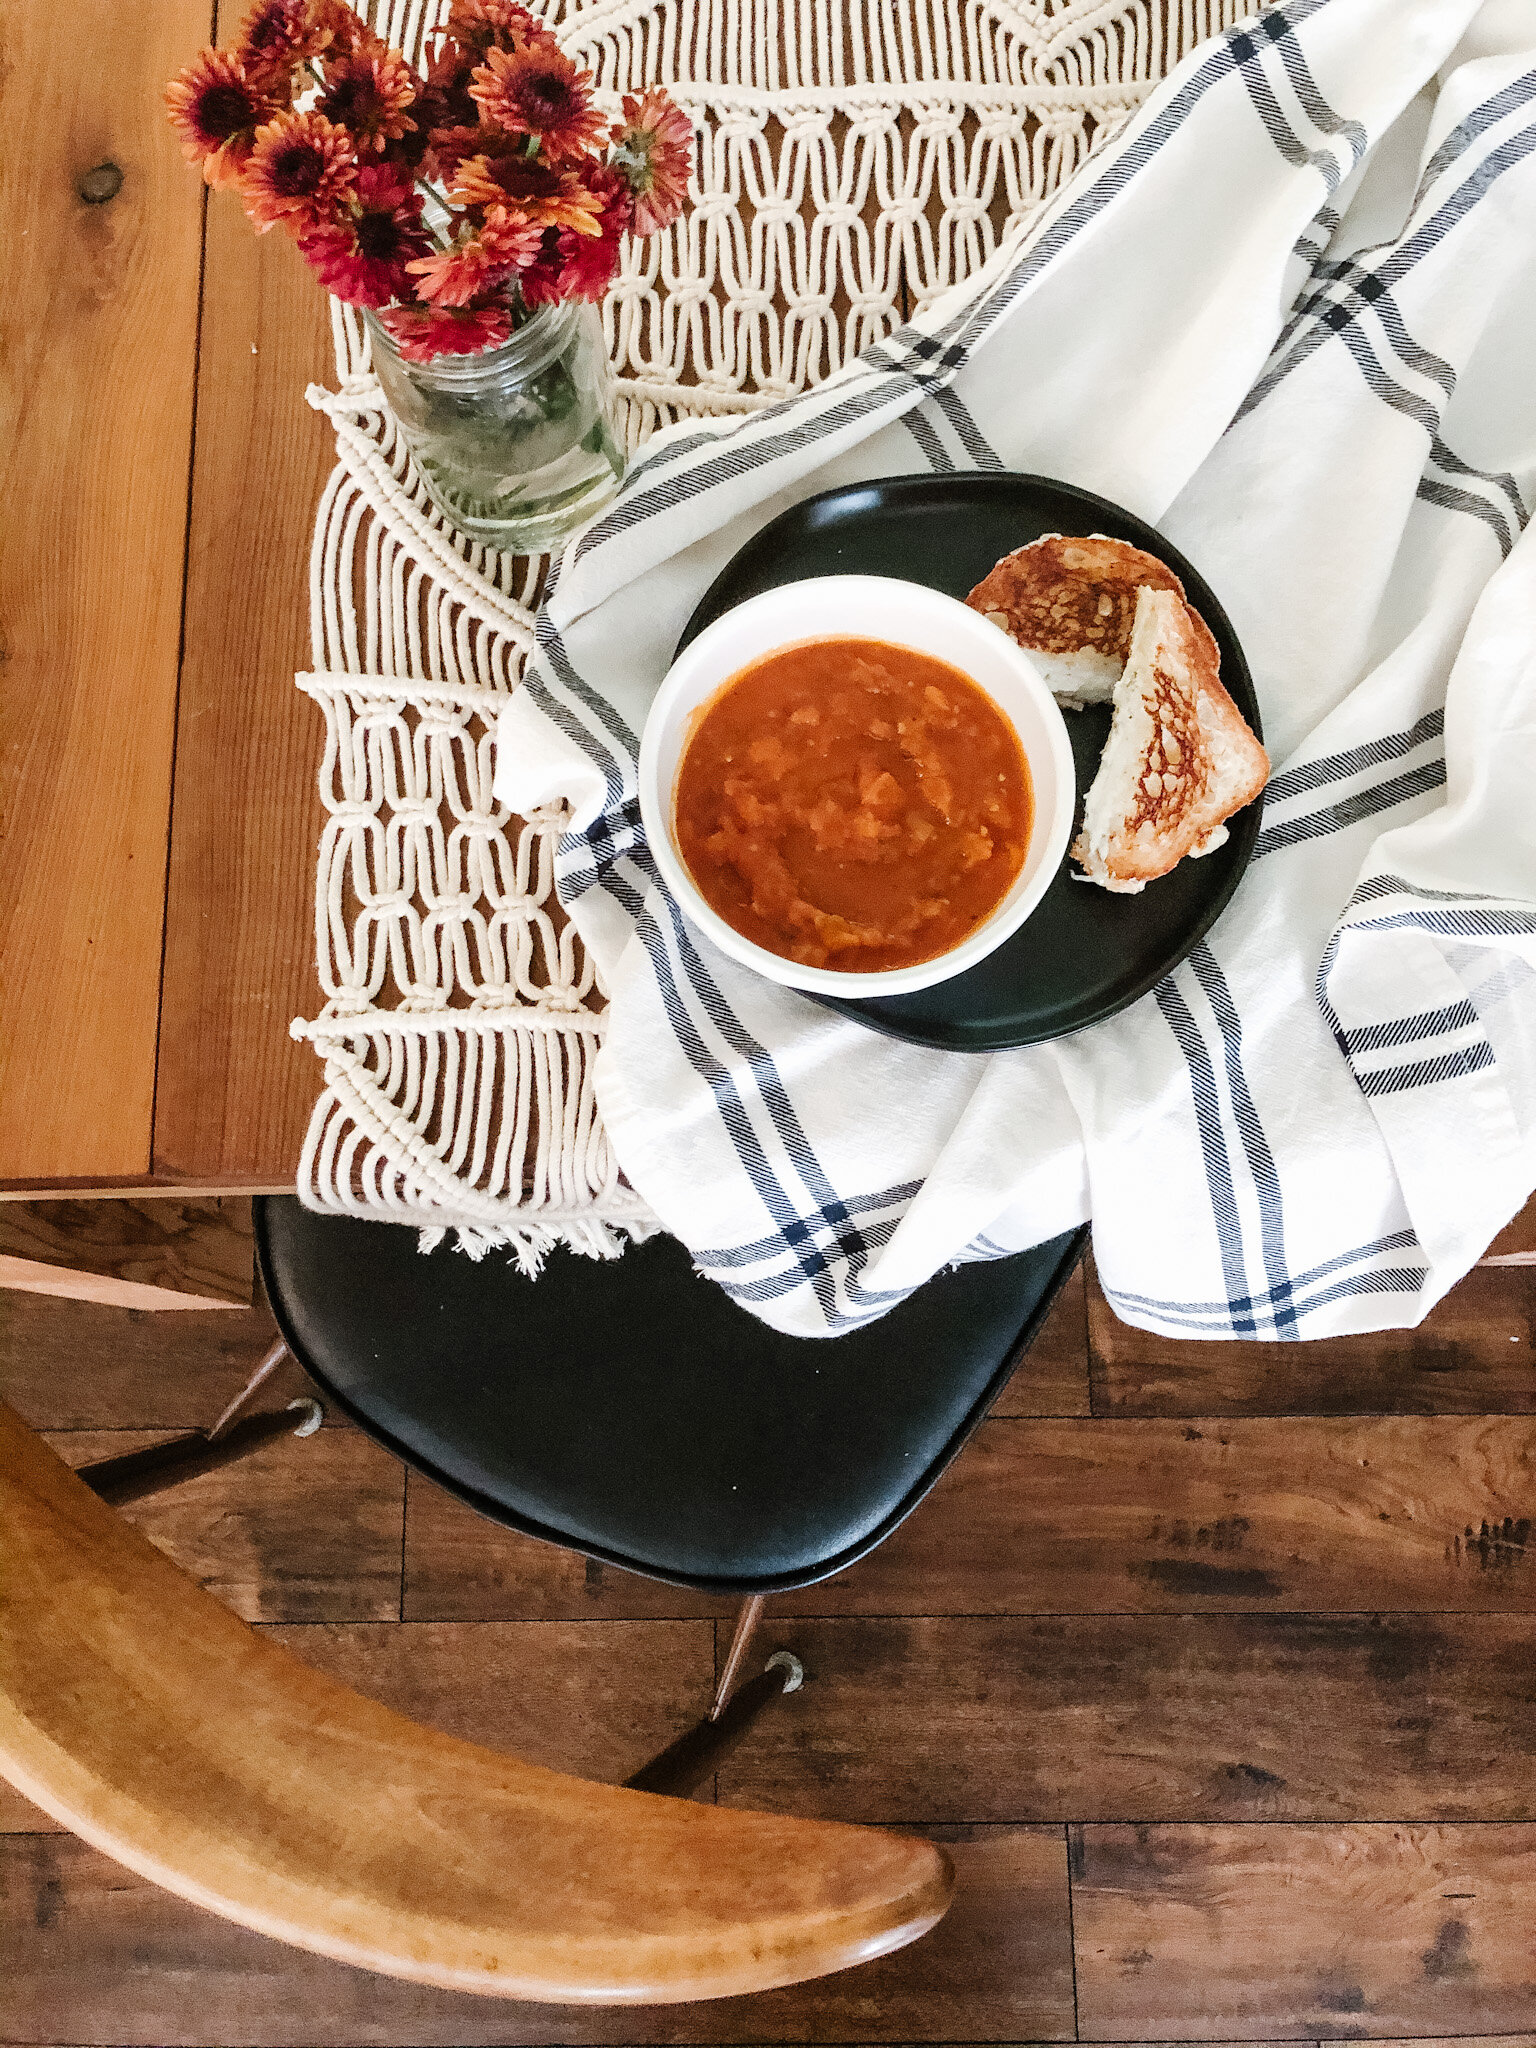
475	213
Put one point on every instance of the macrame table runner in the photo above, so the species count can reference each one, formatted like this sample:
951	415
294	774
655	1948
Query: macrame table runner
856	158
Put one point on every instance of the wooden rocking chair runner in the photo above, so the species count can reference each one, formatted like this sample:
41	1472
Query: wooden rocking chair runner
143	1715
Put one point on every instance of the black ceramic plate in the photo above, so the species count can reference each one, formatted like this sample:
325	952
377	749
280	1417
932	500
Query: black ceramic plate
1083	953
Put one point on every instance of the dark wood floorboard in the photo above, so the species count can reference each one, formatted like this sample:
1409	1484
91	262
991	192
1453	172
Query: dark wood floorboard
1052	1376
1257	1640
96	1955
1282	1932
598	1698
79	1365
1419	1513
1074	1516
1473	1355
1145	1718
460	1567
305	1529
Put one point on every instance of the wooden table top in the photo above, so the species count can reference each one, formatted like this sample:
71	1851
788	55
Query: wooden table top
158	805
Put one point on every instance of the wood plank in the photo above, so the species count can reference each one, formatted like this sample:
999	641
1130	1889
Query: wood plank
235	1091
19	1816
97	1955
80	1365
1462	2041
1070	1517
305	1529
1517	1240
190	1253
1410	1513
1286	1932
1150	1718
1052	1376
461	1567
1473	1354
597	1698
99	333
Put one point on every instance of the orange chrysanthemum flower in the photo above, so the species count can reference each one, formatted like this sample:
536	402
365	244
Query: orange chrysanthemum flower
300	172
367	93
538	91
422	332
653	151
347	30
364	255
485	257
278	35
482	25
216	110
554	199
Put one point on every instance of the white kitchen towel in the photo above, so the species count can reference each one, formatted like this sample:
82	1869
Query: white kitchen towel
1289	315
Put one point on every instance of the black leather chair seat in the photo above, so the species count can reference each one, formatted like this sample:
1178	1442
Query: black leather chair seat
628	1409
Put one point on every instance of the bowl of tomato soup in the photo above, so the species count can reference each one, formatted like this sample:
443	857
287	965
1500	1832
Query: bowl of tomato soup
856	785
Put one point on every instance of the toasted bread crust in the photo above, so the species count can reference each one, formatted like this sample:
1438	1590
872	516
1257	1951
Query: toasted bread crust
1065	593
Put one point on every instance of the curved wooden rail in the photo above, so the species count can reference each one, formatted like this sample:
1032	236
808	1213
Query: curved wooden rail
143	1715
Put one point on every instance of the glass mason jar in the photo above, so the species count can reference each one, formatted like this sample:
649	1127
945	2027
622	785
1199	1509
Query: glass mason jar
516	444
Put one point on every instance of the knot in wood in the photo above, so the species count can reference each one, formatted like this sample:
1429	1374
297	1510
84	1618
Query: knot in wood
99	184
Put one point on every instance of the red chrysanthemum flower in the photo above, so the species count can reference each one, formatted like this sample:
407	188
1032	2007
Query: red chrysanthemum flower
538	91
446	115
482	25
301	171
486	256
368	93
444	100
587	265
446	149
587	262
422	332
216	110
278	35
538	283
653	150
365	254
555	199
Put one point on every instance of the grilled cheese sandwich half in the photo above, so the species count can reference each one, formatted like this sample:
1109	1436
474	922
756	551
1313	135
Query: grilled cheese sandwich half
1180	759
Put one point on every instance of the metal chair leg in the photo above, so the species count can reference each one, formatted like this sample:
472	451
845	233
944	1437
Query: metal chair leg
686	1763
259	1377
746	1627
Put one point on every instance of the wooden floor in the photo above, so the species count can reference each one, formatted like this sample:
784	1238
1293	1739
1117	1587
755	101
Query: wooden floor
1215	1666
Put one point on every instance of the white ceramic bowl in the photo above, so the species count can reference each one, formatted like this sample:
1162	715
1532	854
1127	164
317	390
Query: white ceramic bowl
904	615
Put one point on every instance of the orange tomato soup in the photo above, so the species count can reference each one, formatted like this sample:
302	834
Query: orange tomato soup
852	805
